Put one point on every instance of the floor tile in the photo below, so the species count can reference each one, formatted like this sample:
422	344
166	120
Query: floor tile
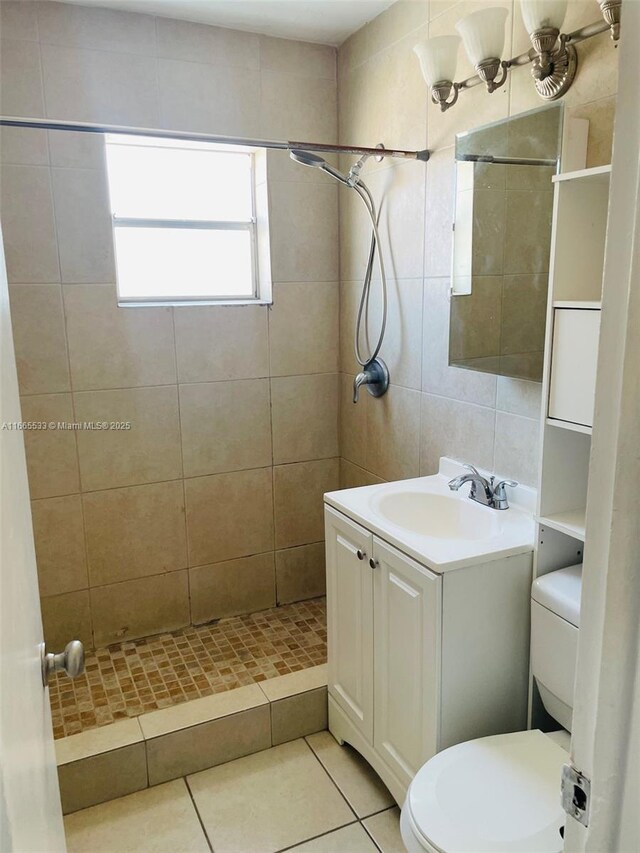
157	820
361	786
140	676
349	839
384	828
268	801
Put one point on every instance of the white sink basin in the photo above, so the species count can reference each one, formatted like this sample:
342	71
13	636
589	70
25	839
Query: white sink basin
440	516
443	530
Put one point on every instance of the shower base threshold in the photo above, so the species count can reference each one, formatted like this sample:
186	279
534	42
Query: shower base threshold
137	751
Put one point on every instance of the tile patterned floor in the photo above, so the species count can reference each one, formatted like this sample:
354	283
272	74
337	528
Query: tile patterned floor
308	796
132	678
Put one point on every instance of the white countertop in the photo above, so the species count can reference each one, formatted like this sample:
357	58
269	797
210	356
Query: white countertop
507	532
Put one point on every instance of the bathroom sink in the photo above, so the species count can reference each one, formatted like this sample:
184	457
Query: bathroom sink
443	530
439	516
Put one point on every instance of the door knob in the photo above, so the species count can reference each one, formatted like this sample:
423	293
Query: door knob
360	554
373	563
71	660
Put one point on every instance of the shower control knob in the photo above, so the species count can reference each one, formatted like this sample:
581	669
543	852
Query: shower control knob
71	661
360	554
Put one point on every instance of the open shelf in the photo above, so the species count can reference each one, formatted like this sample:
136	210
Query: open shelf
585	304
554	422
571	522
597	173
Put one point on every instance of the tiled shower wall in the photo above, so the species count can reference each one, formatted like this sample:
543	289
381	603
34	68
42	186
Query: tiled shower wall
432	409
210	505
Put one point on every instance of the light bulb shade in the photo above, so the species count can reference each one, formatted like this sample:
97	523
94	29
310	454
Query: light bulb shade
438	58
539	14
483	33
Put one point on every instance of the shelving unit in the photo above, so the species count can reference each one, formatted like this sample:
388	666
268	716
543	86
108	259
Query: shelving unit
554	422
572	523
595	175
586	304
580	211
581	199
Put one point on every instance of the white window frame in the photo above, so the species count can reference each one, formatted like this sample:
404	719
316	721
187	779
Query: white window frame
196	224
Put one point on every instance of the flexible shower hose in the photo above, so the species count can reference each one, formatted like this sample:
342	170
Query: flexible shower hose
363	308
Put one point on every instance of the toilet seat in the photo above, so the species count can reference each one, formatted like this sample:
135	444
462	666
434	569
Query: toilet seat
497	794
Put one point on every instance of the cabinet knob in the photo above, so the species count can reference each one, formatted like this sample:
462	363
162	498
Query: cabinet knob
373	563
360	554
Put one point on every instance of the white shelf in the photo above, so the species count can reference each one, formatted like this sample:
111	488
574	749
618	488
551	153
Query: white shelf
597	173
554	422
586	304
572	522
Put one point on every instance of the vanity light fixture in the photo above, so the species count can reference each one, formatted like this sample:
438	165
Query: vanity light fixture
483	38
552	54
555	62
438	59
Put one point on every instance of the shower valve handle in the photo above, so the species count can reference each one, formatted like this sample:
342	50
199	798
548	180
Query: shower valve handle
375	376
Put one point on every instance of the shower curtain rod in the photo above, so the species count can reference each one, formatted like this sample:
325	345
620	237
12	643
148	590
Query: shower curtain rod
84	127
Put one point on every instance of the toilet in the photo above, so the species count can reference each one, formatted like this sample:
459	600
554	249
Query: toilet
502	793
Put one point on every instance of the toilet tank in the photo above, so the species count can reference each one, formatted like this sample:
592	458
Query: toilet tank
555	623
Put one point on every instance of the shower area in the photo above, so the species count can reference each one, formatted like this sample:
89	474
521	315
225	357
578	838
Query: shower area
178	453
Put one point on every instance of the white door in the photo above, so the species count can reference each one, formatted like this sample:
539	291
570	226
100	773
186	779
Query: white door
30	813
350	619
406	616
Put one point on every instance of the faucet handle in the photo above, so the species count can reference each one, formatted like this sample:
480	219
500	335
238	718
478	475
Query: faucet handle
502	483
499	494
471	468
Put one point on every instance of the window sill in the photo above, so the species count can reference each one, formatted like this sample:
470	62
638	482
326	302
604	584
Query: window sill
169	303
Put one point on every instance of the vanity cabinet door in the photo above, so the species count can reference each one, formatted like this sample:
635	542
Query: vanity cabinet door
407	612
350	619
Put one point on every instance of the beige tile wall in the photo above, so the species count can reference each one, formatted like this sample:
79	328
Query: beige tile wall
211	504
433	409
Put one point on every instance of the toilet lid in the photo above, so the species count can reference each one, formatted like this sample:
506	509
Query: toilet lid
490	795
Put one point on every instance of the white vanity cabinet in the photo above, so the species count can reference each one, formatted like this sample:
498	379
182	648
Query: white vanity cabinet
350	622
407	607
420	660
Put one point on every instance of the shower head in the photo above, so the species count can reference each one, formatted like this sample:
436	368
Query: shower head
308	158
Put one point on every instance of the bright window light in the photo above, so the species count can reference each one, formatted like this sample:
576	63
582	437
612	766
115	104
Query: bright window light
183	220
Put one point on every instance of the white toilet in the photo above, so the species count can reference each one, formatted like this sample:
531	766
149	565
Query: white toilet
502	793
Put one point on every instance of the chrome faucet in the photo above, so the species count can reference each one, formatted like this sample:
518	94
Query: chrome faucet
375	376
483	491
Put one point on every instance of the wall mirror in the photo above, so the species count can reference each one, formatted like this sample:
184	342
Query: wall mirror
502	237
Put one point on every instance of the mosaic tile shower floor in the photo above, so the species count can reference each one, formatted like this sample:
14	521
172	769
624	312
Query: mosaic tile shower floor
132	678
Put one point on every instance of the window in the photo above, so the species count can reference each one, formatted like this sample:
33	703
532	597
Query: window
183	220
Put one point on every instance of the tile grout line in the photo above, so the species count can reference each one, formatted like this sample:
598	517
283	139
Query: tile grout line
369	835
316	837
195	806
335	784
